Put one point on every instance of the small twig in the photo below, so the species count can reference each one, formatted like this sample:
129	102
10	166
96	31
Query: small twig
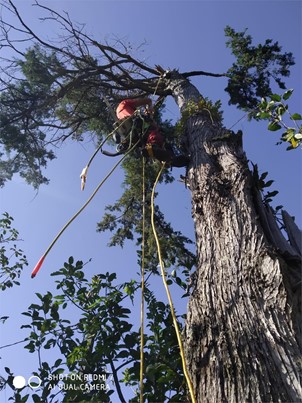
13	344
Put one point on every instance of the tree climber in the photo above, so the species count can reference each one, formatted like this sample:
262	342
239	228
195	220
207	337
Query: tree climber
129	119
128	107
143	126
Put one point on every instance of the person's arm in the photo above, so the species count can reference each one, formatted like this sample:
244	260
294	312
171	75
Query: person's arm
128	106
136	103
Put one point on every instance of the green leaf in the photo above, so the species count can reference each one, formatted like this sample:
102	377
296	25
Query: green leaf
263	115
268	183
288	134
7	370
30	346
296	116
263	175
112	277
25	327
273	126
130	340
3	318
272	194
35	306
270	105
123	354
178	280
275	97
287	94
27	314
281	110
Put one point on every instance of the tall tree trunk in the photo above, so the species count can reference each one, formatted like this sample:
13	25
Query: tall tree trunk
243	328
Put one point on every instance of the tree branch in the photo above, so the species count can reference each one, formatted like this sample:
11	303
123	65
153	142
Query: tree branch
116	381
13	344
202	73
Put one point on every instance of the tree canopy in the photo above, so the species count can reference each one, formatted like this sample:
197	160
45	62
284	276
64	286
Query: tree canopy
51	91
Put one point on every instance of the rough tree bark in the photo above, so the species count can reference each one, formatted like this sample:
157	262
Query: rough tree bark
243	328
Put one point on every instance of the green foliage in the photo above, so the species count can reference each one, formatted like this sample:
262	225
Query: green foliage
53	94
124	220
262	185
274	110
48	95
205	106
163	369
38	68
255	67
58	93
87	326
12	259
24	107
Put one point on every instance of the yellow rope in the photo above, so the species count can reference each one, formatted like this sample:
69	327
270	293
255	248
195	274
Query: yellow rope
141	374
184	365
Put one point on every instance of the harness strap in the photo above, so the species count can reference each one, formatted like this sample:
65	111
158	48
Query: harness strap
149	149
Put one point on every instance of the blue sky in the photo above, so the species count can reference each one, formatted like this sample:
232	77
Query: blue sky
188	35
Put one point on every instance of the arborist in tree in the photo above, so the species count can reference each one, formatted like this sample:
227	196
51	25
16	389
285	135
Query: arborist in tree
142	125
128	107
130	119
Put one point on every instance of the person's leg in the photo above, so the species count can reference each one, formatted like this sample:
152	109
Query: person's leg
178	158
160	154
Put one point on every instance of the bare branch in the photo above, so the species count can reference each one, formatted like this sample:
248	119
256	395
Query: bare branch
55	89
12	344
202	73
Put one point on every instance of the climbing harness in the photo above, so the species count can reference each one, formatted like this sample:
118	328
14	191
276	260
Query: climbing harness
133	131
123	128
127	126
149	149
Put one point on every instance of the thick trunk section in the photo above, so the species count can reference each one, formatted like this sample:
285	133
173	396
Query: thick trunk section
243	324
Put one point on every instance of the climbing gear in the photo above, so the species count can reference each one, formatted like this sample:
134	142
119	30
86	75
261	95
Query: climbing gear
123	126
132	129
126	131
41	260
84	172
149	150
